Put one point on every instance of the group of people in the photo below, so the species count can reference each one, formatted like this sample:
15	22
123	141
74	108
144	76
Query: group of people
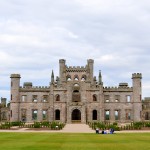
110	131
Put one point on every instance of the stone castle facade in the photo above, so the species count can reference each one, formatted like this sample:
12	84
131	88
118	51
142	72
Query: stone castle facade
76	96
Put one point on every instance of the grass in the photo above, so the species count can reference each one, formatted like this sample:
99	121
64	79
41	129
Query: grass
72	141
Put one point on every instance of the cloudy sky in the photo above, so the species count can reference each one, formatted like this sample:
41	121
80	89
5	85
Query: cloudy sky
35	34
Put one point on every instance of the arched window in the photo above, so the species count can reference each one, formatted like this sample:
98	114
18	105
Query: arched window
57	97
83	78
76	77
68	78
94	98
57	114
94	114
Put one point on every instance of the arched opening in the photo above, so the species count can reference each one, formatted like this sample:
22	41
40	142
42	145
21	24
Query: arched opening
57	114
68	78
94	114
76	115
94	98
57	97
83	78
76	77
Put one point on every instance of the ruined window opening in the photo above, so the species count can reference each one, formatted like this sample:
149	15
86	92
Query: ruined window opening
34	98
94	114
45	98
128	98
68	78
44	114
107	114
23	98
57	97
34	114
94	98
116	114
57	114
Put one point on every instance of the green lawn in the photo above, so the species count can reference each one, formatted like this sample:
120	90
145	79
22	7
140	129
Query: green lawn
71	141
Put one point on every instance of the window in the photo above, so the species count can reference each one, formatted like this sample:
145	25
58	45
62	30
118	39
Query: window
106	98
45	98
23	98
44	114
23	114
76	78
107	114
83	78
57	114
57	97
94	98
11	113
94	114
34	114
128	114
68	78
128	98
116	114
34	98
117	98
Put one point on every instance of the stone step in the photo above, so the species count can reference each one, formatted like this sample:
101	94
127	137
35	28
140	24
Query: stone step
77	128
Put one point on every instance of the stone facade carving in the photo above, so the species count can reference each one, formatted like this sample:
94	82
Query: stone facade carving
76	96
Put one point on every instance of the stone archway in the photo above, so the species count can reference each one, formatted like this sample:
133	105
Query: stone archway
76	115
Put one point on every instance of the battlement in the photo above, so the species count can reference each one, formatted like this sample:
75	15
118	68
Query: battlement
136	75
62	60
123	84
35	89
15	76
27	84
75	69
118	89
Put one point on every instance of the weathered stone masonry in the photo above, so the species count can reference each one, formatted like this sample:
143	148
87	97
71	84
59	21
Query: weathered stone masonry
76	96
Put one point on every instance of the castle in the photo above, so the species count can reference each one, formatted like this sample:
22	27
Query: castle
76	96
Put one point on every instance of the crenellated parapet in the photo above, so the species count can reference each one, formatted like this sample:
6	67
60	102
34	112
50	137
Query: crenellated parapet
118	89
137	75
35	88
15	76
76	69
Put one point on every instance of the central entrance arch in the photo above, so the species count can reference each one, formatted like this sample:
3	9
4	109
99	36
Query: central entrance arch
76	115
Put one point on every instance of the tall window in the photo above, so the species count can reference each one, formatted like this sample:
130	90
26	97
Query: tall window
45	98
94	114
34	114
106	98
57	114
44	114
34	98
94	98
23	98
23	114
117	98
57	97
128	98
107	114
116	114
128	114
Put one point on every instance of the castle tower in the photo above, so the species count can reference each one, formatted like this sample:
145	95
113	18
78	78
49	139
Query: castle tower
3	102
137	95
90	69
14	109
62	70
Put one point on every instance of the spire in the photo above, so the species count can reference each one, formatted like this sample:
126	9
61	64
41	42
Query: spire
100	77
52	77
